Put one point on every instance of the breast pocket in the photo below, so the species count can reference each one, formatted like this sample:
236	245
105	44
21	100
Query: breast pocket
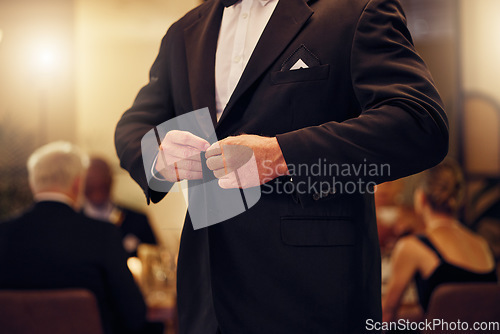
317	231
315	73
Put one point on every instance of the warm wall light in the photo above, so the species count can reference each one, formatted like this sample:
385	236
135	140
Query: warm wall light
47	58
1	35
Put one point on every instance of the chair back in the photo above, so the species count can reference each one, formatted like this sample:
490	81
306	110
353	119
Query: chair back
64	311
468	302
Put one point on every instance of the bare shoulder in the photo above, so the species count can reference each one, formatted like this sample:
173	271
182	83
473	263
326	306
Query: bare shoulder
408	244
409	248
473	237
410	252
481	241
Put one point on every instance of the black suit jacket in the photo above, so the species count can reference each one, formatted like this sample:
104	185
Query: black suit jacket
137	224
51	246
306	262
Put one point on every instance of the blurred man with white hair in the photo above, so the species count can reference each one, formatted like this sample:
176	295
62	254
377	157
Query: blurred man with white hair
56	172
52	246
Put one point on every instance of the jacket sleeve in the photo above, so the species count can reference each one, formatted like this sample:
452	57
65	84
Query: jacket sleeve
152	106
402	125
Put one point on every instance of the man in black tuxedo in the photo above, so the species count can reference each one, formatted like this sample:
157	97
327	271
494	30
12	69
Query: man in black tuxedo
330	83
51	246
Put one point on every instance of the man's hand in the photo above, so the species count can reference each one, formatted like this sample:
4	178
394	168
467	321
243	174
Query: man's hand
246	161
179	156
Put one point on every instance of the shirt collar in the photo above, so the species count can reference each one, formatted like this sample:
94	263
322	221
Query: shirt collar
262	2
54	197
101	213
265	2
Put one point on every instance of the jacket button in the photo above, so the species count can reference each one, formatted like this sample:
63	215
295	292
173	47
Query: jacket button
316	197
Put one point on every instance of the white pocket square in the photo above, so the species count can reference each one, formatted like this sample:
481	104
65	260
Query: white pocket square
298	65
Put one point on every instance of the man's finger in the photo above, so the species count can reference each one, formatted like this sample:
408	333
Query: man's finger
219	173
175	172
189	165
228	182
236	155
215	162
213	150
174	153
185	138
189	174
165	159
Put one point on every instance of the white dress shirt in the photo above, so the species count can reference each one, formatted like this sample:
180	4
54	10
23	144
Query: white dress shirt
240	30
241	27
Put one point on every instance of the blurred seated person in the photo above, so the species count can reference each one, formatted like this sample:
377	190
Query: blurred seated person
446	252
134	226
52	246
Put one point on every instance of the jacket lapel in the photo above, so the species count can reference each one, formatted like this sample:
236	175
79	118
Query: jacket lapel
286	22
201	45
